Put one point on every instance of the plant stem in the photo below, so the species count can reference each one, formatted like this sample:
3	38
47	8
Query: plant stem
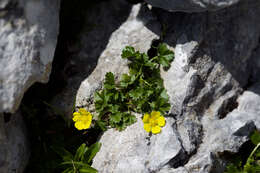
253	152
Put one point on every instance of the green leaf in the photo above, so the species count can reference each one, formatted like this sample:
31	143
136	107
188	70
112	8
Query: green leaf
101	100
68	170
109	81
151	64
257	154
128	51
62	152
101	125
136	94
116	118
116	96
132	119
125	80
92	151
80	152
232	169
114	108
255	137
165	55
164	95
88	170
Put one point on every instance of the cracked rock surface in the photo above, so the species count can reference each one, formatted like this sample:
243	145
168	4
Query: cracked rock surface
213	84
28	36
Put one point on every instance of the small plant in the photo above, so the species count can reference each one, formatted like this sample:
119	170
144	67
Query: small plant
140	91
81	161
252	164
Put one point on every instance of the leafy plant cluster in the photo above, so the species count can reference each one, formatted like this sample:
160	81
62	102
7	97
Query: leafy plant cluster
252	164
140	91
81	161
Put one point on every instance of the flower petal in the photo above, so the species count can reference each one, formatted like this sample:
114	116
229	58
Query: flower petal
76	118
87	123
76	113
79	125
155	114
161	121
83	111
146	118
156	129
147	127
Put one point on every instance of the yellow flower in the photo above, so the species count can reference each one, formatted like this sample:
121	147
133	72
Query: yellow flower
82	119
153	122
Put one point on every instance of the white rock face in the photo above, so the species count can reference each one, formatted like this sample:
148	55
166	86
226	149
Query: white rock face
28	36
213	108
136	150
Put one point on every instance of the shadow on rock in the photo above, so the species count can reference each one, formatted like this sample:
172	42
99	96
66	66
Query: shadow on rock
85	30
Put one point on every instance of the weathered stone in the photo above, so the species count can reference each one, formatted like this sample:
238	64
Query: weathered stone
192	5
101	48
136	150
28	36
214	62
14	146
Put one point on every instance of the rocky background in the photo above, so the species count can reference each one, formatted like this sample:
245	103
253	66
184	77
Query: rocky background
213	83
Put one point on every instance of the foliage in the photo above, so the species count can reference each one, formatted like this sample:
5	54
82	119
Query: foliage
49	129
141	90
153	122
252	164
80	162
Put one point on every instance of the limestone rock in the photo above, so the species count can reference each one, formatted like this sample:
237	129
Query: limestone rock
214	106
192	5
135	150
14	145
101	48
28	36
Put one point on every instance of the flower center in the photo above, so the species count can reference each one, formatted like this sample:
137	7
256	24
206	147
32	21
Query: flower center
153	122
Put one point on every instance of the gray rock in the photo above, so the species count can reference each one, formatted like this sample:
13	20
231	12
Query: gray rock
214	62
110	60
135	150
212	84
192	5
101	48
14	146
28	36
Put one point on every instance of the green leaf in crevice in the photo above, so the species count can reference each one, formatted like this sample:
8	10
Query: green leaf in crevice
81	161
252	164
165	55
140	91
255	137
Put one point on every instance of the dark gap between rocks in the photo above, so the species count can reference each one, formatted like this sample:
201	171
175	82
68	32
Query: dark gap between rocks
135	1
46	128
7	117
179	160
152	52
228	106
241	155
